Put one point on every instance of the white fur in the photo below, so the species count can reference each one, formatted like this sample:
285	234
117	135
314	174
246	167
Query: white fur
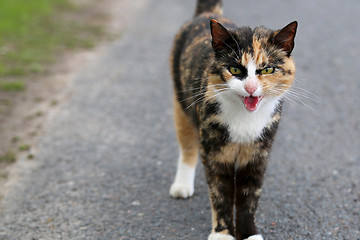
183	186
251	79
238	86
220	236
255	237
245	126
251	68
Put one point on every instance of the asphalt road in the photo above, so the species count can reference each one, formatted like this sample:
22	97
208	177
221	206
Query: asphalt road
105	166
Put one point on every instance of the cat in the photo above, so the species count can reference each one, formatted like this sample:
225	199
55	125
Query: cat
229	84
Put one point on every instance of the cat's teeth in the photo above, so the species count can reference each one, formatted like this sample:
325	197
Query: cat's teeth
251	103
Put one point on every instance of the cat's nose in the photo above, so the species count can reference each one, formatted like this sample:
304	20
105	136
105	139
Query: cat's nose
251	88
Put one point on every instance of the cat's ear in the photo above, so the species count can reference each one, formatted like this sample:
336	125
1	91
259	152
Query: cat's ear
221	38
285	37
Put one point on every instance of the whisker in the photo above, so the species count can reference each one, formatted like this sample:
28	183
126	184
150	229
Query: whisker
197	88
294	94
307	94
298	92
202	96
209	100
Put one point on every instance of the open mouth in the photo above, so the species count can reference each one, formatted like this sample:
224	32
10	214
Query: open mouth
251	103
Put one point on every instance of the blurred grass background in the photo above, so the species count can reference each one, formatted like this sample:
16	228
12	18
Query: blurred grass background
33	34
32	31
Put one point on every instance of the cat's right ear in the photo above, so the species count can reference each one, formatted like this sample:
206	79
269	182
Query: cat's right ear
285	37
221	38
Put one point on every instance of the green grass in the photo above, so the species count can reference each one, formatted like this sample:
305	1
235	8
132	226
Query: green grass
3	175
16	139
12	86
32	32
8	158
24	147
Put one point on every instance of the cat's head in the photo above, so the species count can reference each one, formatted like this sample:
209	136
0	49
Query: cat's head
256	65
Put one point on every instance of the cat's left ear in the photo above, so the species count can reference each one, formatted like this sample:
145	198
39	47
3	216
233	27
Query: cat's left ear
221	37
285	37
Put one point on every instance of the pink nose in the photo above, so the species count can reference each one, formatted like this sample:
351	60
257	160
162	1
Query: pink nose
250	88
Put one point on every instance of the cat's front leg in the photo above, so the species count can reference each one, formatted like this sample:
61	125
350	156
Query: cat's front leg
220	179
183	186
248	181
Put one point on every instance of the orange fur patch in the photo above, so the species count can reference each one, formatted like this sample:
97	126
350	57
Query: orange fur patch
259	55
278	83
241	154
213	87
187	135
246	58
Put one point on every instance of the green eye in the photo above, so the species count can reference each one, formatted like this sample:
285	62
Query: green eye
235	71
268	70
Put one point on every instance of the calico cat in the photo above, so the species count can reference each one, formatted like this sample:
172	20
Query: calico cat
229	83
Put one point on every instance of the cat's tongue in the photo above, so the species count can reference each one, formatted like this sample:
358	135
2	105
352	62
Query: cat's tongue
251	103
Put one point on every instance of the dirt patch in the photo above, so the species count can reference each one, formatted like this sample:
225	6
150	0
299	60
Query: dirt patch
23	115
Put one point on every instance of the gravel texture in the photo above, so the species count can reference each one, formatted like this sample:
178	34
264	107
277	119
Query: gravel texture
105	166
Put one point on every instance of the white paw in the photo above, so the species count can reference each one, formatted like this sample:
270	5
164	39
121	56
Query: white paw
220	236
183	186
181	190
255	237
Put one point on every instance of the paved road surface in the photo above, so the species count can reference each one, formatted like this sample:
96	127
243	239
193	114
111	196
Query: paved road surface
105	166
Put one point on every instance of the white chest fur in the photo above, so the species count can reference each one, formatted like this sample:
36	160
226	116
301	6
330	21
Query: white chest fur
245	126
